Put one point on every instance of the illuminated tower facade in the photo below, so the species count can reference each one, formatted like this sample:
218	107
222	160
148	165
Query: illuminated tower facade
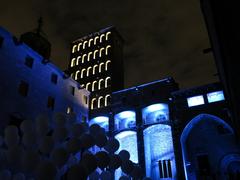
96	63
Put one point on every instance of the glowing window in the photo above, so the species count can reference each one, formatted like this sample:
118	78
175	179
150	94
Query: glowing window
78	60
94	68
89	56
100	102
155	113
76	75
69	110
95	40
74	48
73	62
94	85
107	49
107	100
89	42
101	66
107	64
125	120
88	70
100	84
101	51
79	46
101	121
82	72
107	35
195	101
83	58
127	141
215	96
84	44
101	37
94	103
88	86
107	82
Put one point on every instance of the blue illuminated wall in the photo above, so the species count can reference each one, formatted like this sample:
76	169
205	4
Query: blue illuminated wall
128	141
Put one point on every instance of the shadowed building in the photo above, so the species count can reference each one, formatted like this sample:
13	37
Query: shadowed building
96	63
31	85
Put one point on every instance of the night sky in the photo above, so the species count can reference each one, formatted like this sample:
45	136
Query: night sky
162	37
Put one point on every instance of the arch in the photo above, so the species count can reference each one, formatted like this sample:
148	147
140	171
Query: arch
102	121
107	35
94	68
107	49
100	101
101	37
78	60
100	84
95	40
190	132
76	75
82	72
107	64
100	54
74	48
107	81
72	75
73	62
100	66
84	44
107	99
88	86
79	46
83	58
89	56
88	70
94	103
94	54
89	42
94	85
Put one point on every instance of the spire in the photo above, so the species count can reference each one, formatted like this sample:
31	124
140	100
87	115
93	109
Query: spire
40	24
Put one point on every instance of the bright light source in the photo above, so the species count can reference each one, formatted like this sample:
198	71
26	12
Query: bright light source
195	101
125	120
155	113
101	121
215	96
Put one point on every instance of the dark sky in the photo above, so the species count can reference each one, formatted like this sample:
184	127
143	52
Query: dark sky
163	37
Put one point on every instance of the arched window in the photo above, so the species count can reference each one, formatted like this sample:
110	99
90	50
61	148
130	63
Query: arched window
101	52
84	44
107	100
107	82
107	35
88	70
94	68
107	64
94	85
78	60
79	46
107	49
94	103
89	42
76	75
73	62
100	102
95	40
82	72
95	54
101	84
101	66
83	58
74	48
101	37
72	75
89	56
88	86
